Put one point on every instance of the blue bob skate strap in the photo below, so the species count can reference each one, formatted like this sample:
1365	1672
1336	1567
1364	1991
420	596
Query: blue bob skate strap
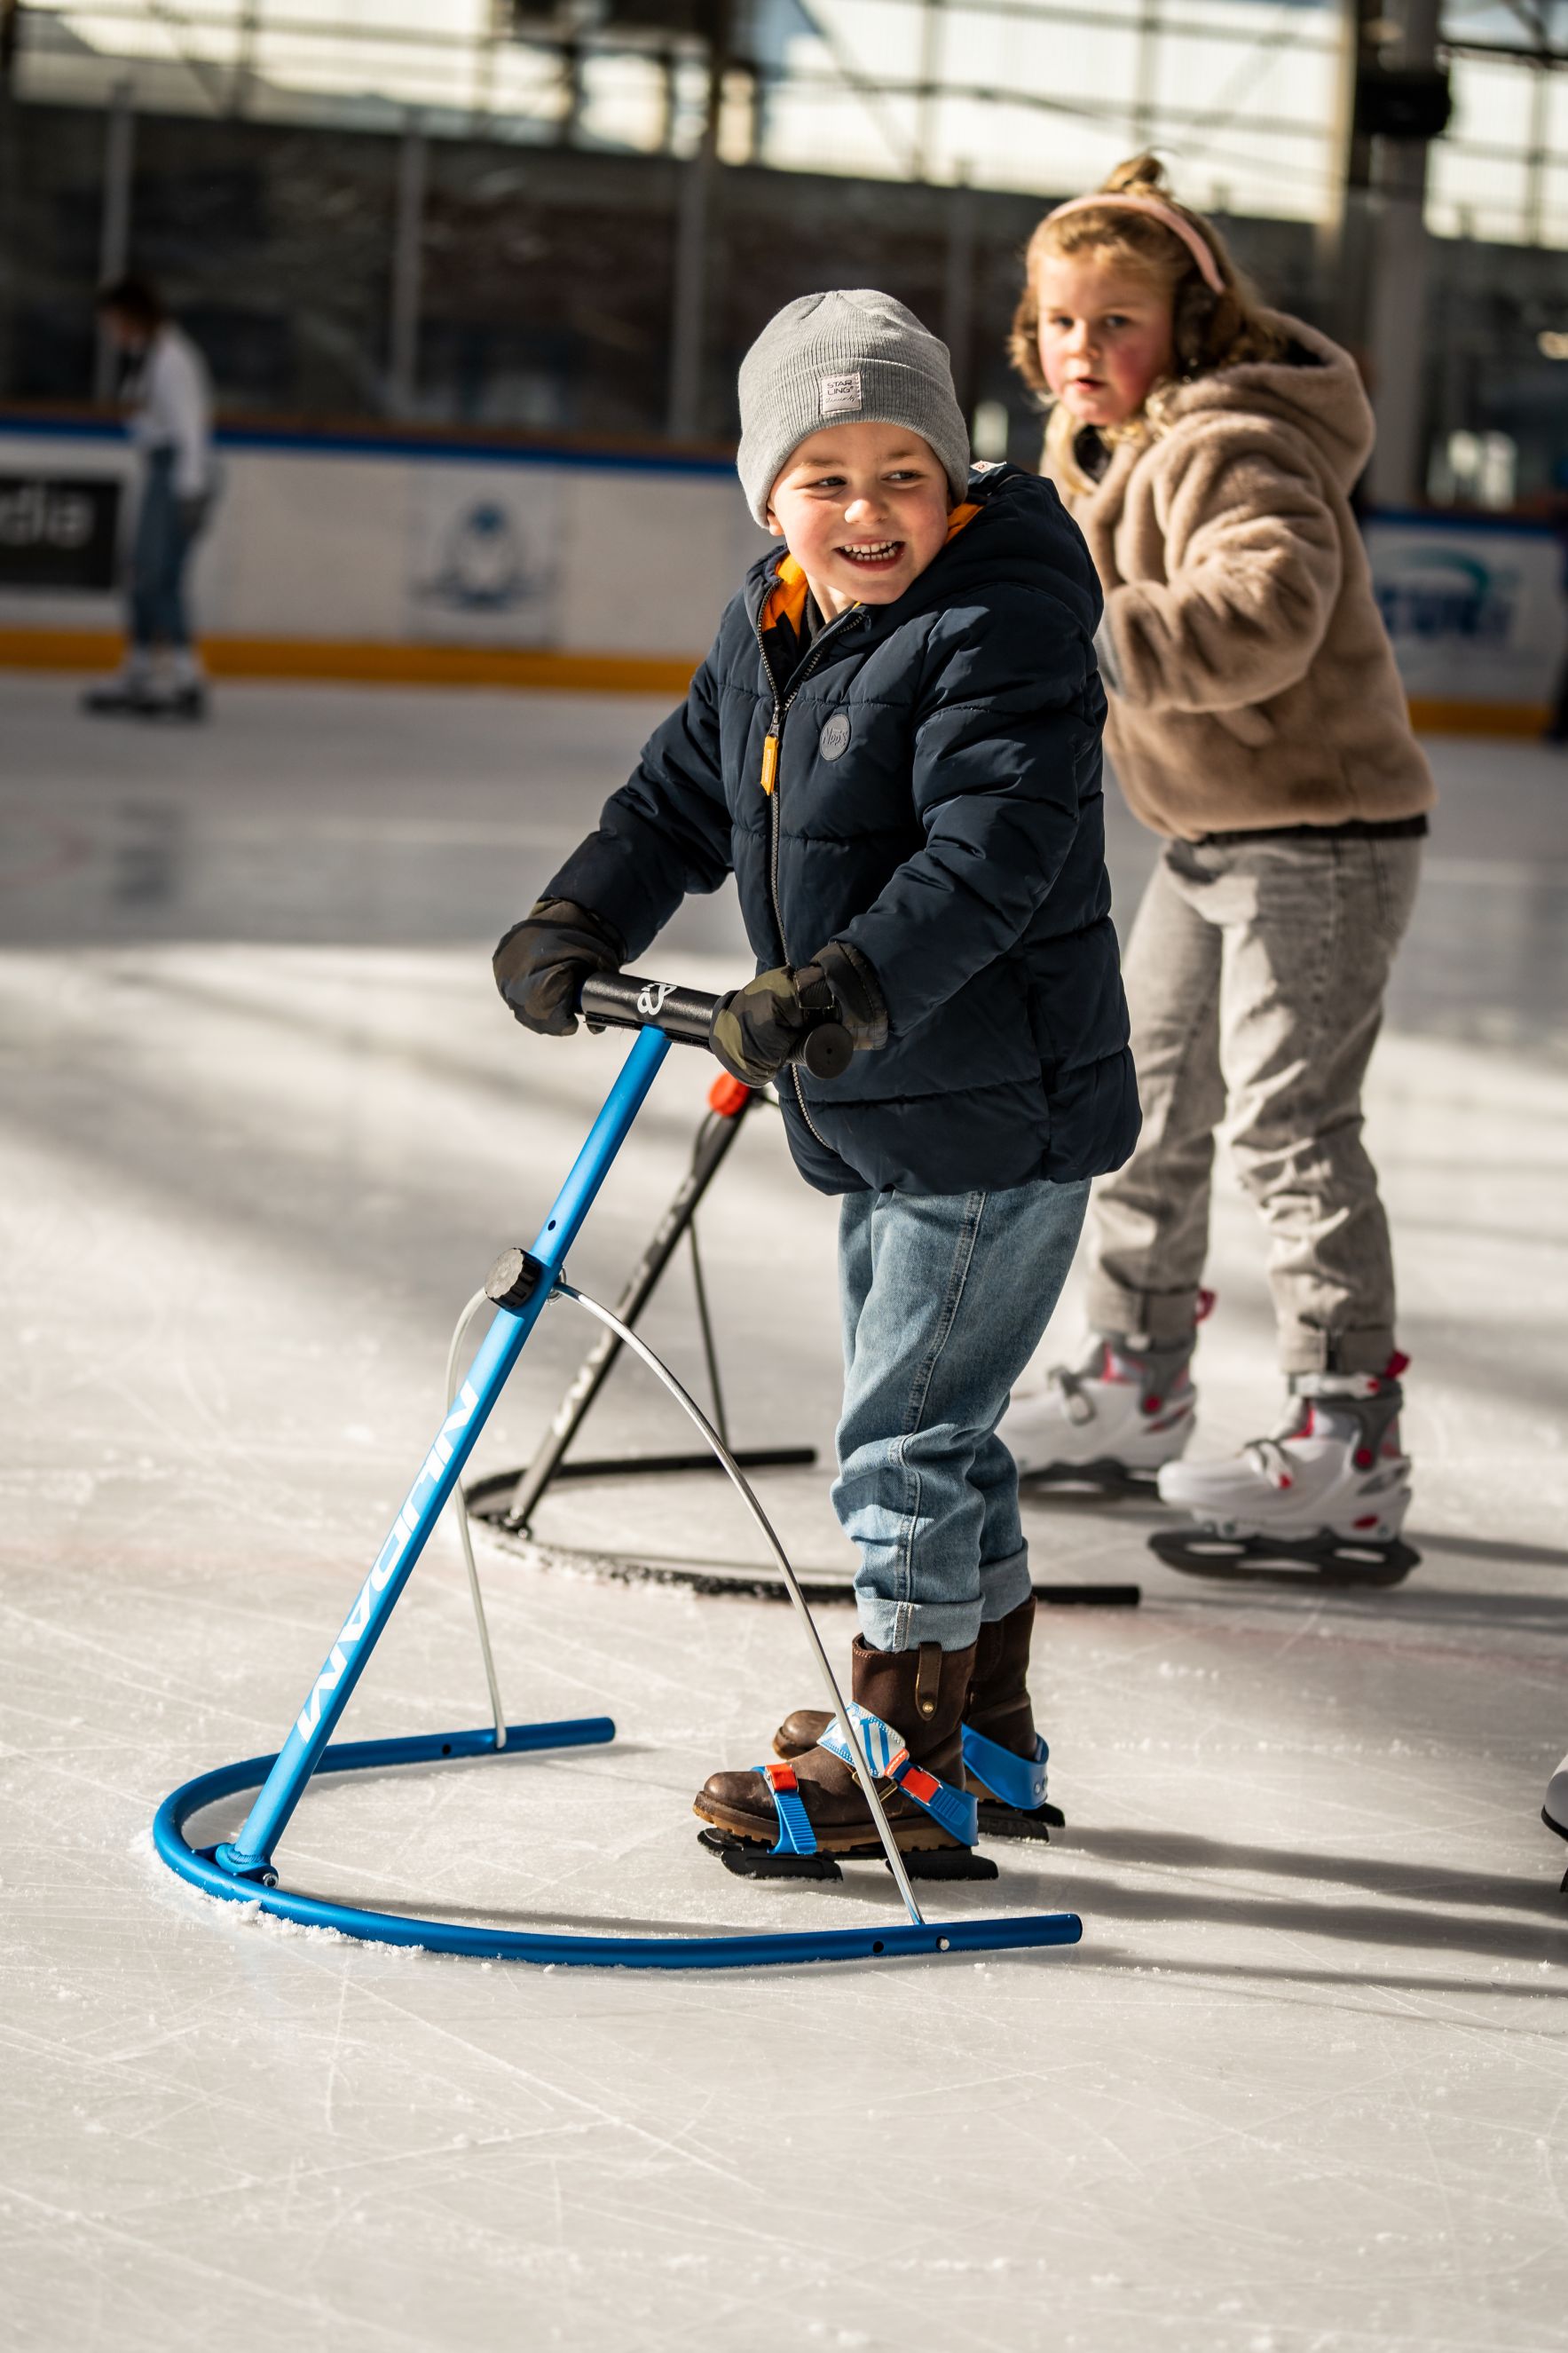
795	1834
957	1813
1018	1781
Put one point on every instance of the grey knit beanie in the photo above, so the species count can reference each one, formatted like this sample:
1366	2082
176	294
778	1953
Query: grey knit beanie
850	357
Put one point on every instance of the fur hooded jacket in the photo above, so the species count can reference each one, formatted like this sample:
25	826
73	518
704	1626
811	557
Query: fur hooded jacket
1251	680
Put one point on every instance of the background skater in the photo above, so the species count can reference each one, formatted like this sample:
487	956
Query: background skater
1208	448
169	404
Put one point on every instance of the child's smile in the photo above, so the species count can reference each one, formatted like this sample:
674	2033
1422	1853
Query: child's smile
878	556
863	508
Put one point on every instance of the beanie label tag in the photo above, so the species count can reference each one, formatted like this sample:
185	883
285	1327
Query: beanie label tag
840	394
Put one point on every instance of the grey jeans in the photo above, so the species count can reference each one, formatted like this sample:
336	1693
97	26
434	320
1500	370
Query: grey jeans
1255	976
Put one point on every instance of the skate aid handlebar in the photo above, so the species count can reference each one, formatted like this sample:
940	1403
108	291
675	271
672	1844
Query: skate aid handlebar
621	1000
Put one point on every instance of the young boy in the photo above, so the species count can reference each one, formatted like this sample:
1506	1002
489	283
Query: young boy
894	746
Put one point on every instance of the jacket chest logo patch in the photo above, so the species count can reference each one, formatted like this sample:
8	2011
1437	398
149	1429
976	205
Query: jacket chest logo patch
834	740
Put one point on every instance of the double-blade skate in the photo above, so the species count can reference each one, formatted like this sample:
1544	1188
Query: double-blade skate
748	1859
998	1816
775	1821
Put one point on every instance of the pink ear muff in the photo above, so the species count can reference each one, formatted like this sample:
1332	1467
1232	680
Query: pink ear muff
1198	246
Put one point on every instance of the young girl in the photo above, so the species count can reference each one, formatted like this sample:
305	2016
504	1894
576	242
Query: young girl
1208	448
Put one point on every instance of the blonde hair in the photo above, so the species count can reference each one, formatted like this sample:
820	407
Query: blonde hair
1209	330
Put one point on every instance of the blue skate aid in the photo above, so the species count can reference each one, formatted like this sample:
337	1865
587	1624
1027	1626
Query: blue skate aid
953	1810
1016	1781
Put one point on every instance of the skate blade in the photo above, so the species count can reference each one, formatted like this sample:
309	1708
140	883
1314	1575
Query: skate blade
749	1860
1104	1482
1000	1821
1272	1560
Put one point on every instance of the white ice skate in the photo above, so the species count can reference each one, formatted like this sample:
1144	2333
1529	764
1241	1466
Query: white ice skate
1554	1812
1109	1422
1328	1490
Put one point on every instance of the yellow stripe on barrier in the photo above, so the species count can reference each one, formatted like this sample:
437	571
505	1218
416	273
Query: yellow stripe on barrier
1435	715
370	662
378	664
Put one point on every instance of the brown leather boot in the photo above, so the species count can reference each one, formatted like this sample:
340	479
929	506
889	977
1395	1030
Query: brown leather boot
998	1702
997	1706
920	1694
998	1699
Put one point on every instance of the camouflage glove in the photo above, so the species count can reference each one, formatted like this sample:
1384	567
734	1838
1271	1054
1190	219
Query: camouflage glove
543	962
757	1029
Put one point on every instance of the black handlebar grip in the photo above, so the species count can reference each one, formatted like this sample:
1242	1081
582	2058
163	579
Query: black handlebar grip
624	1000
827	1050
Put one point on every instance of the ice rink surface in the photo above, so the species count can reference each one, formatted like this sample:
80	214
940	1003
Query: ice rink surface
263	1125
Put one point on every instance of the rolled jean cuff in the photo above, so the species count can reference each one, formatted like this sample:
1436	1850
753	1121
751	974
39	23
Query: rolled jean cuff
1161	1317
905	1625
1004	1586
1365	1350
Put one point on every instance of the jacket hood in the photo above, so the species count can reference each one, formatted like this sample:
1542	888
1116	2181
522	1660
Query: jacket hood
1014	527
1314	388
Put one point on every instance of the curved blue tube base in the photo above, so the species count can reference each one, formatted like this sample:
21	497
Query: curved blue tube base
200	1867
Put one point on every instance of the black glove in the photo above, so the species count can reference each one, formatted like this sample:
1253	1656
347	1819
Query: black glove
756	1029
191	510
543	962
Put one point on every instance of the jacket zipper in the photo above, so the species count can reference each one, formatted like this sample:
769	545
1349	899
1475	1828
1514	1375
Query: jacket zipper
770	787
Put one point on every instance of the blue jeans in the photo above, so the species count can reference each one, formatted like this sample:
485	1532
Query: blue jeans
944	1298
163	539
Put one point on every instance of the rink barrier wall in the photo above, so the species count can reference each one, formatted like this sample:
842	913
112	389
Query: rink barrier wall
330	662
341	662
431	558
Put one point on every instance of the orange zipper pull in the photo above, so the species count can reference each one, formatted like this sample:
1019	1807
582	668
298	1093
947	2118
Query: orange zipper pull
770	763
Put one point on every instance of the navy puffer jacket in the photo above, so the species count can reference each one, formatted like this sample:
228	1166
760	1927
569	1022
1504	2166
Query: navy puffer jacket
937	804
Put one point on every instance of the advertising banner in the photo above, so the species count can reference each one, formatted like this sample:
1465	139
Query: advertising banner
484	555
1476	610
58	531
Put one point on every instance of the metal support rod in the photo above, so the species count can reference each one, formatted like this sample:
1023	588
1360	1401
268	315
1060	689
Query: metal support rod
958	293
688	306
407	272
705	1325
1539	155
114	232
1146	73
244	48
250	1853
465	1539
932	27
846	1723
1396	337
714	1140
